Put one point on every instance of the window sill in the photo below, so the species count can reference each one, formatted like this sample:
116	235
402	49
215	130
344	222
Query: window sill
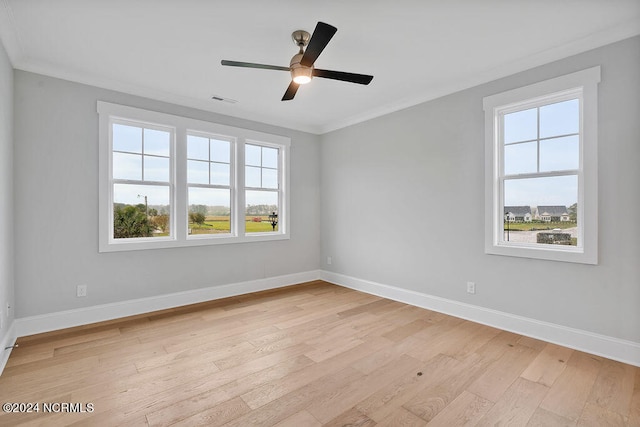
161	243
544	252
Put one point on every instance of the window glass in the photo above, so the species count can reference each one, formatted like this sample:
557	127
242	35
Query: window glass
559	154
127	138
252	177
521	126
220	173
197	172
127	166
270	157
269	178
520	158
141	211
253	155
157	142
209	211
560	118
220	151
259	205
156	168
197	148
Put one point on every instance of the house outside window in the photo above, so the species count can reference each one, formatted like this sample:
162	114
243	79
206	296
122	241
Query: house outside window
541	170
170	181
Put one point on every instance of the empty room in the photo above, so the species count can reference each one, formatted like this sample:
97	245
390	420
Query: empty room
356	213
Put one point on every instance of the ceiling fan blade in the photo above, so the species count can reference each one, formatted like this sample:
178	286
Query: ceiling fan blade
319	40
362	79
291	91
252	65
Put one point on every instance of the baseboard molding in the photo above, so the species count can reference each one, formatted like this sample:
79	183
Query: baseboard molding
7	340
601	345
83	316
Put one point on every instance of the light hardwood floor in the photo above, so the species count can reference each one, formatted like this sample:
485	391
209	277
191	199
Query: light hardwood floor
310	355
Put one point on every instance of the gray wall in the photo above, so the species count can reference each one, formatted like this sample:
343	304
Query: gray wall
6	191
403	199
56	208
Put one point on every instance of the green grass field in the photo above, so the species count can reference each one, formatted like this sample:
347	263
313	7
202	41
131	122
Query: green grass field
214	225
533	226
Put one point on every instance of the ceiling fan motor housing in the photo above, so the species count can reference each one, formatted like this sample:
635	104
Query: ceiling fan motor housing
299	73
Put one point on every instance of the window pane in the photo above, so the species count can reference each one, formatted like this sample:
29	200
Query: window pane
259	204
140	211
127	138
209	211
156	168
197	172
553	204
521	126
252	155
220	173
252	177
220	151
269	178
197	147
127	166
561	118
270	157
156	142
520	158
558	154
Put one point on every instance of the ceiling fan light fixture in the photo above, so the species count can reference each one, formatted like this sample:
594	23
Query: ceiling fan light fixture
301	75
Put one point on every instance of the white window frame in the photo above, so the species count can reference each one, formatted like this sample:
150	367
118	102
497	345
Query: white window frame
583	85
109	112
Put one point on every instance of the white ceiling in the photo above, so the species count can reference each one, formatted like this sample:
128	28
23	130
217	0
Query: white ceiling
416	49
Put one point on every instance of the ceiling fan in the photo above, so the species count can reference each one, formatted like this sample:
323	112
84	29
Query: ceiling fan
301	66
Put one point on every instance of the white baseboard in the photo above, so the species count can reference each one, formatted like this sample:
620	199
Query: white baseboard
601	345
6	341
83	316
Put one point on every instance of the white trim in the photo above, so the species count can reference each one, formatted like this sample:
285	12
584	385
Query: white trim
7	340
612	348
584	82
83	316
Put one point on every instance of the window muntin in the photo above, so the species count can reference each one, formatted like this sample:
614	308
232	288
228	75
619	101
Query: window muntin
541	143
170	184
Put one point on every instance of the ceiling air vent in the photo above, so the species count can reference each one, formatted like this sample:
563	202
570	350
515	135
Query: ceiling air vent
223	99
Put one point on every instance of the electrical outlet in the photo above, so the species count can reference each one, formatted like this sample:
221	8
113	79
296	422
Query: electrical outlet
81	291
471	287
329	260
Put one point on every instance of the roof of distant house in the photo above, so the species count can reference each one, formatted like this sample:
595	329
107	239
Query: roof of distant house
518	210
553	210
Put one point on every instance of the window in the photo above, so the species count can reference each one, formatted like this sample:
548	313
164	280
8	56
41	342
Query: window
209	185
262	186
141	184
541	170
170	181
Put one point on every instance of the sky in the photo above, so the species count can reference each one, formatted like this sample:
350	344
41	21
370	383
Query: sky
144	154
543	139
